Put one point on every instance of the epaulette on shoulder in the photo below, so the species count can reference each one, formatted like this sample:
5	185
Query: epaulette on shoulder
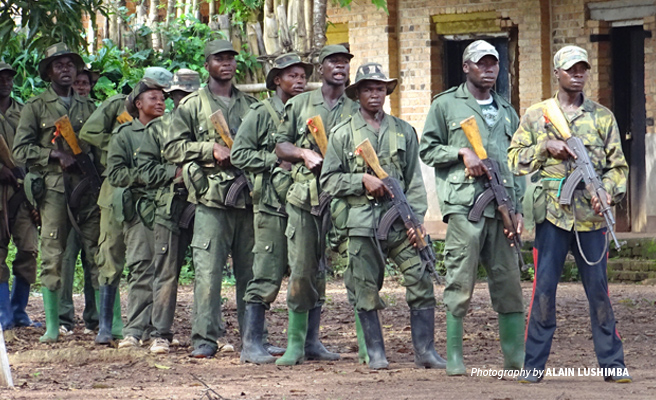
453	89
256	105
341	124
189	97
123	126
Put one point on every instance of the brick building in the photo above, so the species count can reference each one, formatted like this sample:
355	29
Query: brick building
421	43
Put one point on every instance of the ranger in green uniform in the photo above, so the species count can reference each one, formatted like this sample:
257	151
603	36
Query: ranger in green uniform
16	218
445	147
254	151
295	143
53	173
98	130
219	230
132	203
173	220
345	176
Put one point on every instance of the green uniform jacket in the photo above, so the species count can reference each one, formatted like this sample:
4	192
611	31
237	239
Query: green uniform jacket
342	171
443	138
190	142
306	189
101	124
596	126
254	152
8	123
33	141
159	174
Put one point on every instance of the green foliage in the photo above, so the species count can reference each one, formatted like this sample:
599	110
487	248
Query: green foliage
380	4
47	21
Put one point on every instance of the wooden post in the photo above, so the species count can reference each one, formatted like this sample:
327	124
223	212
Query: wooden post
5	371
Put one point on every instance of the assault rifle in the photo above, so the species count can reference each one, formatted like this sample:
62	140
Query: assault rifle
401	208
494	189
91	179
240	183
583	169
318	132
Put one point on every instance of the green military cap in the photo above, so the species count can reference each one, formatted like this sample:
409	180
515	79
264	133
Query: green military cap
477	50
370	72
6	67
185	80
566	57
160	75
55	51
331	49
219	46
285	61
142	86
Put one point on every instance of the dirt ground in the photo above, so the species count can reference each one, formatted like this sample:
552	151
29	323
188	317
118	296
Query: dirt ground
75	368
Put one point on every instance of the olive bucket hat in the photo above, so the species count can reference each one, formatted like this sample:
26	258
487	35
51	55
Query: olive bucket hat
370	72
6	67
285	61
55	51
142	86
185	80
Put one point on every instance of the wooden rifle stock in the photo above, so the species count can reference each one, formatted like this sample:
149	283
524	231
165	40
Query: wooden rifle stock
221	126
316	128
124	117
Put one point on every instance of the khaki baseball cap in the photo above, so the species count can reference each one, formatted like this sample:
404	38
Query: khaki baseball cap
6	67
332	49
219	46
185	80
142	86
477	50
370	72
285	61
566	57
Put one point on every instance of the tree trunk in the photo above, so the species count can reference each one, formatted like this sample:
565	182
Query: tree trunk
187	6
308	22
296	23
152	23
141	13
285	38
224	25
195	9
271	37
319	24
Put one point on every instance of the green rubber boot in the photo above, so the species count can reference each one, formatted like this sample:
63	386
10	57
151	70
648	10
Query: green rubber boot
51	308
511	336
363	356
296	332
117	321
454	362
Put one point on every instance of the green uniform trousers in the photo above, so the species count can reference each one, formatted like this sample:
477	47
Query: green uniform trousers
66	306
269	259
307	285
217	234
140	243
170	249
26	239
111	248
470	243
55	228
366	271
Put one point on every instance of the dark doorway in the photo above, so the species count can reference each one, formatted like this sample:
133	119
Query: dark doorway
628	57
453	75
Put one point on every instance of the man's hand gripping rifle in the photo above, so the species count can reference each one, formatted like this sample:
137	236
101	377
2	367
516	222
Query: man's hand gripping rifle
494	190
583	168
400	209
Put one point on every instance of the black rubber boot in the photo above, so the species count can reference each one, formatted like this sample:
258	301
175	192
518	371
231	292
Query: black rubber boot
106	314
422	323
314	349
373	336
252	349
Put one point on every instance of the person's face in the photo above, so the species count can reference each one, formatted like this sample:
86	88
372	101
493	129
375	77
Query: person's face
372	95
482	74
291	80
82	85
221	66
62	71
335	69
6	83
177	96
151	103
574	78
